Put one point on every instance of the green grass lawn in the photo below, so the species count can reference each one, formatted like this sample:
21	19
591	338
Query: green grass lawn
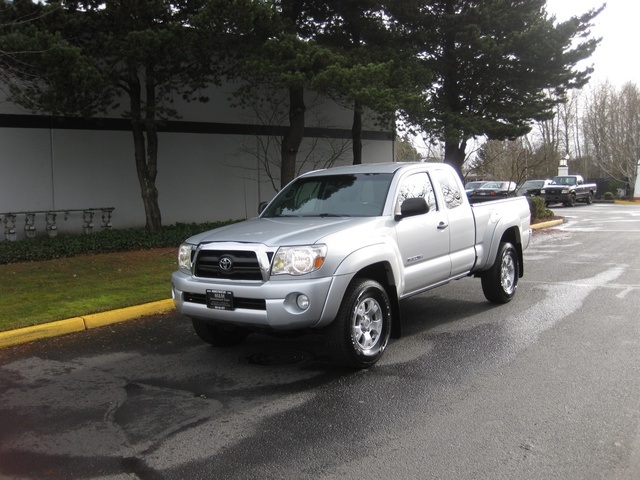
38	292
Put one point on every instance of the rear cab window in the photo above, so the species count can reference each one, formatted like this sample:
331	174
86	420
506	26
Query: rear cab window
450	188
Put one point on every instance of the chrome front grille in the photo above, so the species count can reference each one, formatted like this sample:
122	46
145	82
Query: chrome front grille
228	265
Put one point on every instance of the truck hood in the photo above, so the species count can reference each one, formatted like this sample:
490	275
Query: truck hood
275	232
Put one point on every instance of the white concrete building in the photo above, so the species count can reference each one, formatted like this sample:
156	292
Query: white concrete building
210	163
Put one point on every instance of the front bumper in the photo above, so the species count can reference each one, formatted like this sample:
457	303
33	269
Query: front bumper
271	304
555	197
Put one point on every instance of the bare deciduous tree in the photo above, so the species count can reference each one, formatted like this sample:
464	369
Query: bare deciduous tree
266	149
599	129
612	128
512	160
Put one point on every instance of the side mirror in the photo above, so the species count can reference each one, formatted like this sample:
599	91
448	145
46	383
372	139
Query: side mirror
262	206
412	207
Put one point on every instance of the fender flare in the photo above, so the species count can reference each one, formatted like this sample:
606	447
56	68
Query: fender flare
351	265
504	225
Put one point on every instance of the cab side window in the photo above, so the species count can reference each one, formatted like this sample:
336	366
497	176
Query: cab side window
450	188
417	185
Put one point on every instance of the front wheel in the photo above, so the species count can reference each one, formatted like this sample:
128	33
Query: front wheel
500	281
572	200
360	332
219	335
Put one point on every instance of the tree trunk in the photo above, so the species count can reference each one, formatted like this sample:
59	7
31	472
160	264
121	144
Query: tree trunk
454	154
356	133
146	168
146	150
293	138
454	144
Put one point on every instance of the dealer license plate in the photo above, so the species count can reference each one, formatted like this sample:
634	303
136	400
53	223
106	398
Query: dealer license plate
220	299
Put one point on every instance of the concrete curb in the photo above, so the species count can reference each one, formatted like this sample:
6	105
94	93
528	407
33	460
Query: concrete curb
550	223
86	322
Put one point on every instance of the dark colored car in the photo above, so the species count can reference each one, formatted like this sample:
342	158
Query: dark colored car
493	191
531	188
471	187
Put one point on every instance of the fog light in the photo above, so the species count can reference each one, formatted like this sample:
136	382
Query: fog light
303	302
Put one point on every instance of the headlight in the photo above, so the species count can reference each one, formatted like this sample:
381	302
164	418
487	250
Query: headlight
565	190
298	260
543	191
185	254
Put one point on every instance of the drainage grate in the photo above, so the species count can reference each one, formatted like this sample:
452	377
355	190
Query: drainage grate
279	357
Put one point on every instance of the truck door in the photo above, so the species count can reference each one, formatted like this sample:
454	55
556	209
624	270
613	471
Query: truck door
423	240
462	228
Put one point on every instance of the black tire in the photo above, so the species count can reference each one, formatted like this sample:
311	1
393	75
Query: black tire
589	198
572	200
499	283
360	332
219	335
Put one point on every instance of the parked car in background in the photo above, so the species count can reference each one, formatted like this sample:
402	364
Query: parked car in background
569	189
531	188
471	187
493	191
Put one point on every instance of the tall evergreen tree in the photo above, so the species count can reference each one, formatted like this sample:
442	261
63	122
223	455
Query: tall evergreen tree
287	60
366	73
499	65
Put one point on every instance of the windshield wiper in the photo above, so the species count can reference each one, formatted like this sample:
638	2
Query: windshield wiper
324	215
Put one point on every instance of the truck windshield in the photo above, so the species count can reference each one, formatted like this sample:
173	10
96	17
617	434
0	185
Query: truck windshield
347	195
564	181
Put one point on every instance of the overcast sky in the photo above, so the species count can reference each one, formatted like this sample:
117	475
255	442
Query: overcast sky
618	25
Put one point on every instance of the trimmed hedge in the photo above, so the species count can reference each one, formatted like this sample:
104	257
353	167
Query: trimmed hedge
538	209
107	241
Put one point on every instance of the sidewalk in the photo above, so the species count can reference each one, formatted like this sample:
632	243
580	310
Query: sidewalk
86	322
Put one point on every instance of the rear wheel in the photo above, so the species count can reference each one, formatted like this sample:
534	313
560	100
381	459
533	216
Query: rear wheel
219	335
360	333
589	198
500	281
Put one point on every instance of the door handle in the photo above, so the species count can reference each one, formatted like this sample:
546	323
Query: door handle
442	225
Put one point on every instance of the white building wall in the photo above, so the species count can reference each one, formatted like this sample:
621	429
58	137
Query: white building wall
25	169
201	176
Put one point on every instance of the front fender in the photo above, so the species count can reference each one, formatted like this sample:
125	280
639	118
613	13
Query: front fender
381	253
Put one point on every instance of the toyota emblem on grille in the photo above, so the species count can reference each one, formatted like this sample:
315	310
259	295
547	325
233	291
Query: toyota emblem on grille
225	263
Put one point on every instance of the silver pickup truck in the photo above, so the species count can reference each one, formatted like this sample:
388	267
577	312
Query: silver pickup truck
336	250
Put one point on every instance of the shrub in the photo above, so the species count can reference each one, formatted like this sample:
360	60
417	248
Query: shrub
45	248
538	209
608	196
